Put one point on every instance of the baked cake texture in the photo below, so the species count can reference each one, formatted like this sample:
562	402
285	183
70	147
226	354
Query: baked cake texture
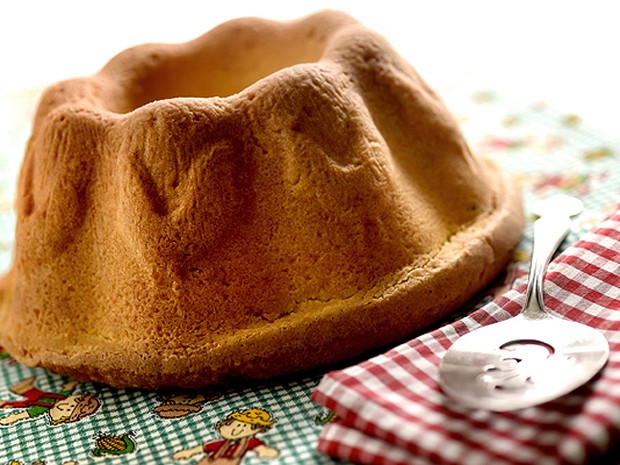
267	198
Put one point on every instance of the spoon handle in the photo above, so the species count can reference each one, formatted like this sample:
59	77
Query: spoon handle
549	232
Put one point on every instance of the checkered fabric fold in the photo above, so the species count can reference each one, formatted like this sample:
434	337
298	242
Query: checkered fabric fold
391	410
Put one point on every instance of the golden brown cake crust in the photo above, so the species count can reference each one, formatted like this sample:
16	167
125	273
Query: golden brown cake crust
265	199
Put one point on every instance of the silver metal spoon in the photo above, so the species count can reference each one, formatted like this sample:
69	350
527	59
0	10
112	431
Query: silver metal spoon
533	357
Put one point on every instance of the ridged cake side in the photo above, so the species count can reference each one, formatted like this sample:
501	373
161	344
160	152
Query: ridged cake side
320	204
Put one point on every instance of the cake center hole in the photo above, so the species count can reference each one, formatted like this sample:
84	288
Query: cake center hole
219	64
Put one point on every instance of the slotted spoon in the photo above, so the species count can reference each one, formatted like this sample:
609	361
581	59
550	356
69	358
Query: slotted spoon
533	357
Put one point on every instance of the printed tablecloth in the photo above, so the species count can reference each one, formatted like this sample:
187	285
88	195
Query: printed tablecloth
544	151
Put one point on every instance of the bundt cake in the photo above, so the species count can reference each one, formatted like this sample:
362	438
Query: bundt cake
267	198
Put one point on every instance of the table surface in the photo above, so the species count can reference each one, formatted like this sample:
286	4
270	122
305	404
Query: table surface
533	87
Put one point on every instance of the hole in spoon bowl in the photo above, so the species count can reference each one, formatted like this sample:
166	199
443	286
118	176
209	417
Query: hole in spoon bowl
529	347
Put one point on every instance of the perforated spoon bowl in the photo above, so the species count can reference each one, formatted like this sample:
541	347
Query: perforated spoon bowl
533	357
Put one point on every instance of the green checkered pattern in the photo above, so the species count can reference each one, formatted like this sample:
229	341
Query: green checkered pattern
132	411
545	152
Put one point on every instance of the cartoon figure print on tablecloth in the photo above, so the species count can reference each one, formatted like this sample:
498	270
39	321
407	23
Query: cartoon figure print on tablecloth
61	407
238	433
325	418
572	183
181	404
113	444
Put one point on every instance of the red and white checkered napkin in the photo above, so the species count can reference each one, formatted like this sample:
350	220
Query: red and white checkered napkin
390	409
